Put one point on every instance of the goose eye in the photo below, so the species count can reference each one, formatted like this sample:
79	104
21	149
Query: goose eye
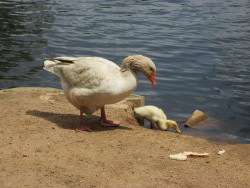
151	69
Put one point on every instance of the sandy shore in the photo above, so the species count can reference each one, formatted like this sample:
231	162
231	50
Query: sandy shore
39	148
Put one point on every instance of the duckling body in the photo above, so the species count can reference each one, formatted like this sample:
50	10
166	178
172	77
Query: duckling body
156	116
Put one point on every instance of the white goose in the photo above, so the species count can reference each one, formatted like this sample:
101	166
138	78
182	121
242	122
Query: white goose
89	83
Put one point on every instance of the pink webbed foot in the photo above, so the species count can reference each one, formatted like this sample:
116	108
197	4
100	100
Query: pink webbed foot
83	127
109	123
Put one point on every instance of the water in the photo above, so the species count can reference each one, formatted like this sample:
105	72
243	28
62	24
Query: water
201	50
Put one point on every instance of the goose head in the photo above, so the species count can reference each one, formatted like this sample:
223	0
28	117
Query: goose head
140	63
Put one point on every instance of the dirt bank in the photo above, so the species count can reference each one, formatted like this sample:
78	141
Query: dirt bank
39	148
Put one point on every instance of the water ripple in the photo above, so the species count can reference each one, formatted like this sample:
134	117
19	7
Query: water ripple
201	49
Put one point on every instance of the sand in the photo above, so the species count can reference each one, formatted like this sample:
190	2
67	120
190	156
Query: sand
40	148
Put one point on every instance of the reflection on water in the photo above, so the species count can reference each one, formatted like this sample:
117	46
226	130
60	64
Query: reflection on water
201	49
22	42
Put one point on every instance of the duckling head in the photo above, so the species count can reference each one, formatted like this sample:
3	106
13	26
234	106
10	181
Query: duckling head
173	124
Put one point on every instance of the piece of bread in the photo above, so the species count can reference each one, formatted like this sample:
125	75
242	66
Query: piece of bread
220	152
179	157
183	156
194	154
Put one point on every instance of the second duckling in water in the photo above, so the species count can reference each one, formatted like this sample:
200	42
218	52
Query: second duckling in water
156	116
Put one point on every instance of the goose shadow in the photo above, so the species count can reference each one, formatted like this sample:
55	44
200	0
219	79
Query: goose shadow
70	121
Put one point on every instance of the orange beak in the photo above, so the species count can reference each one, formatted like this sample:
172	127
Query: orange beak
152	79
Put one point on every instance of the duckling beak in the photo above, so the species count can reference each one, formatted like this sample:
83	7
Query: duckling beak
152	79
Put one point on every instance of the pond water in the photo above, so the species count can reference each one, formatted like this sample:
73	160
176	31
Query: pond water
201	50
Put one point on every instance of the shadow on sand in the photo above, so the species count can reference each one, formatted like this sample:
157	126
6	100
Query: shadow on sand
70	121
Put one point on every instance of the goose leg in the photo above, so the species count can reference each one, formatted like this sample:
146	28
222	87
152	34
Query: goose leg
107	123
82	126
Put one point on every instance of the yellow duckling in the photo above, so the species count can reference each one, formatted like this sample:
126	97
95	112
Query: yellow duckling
156	116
